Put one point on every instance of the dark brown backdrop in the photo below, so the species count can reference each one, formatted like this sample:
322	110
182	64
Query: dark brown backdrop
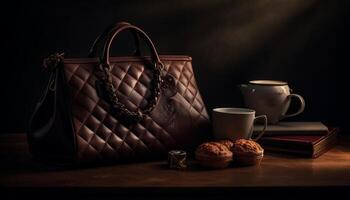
231	42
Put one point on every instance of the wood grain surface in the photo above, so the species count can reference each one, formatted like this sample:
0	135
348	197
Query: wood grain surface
331	170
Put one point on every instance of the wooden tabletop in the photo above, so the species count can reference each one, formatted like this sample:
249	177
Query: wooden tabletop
331	170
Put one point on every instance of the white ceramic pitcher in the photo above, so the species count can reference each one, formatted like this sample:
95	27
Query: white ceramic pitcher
271	98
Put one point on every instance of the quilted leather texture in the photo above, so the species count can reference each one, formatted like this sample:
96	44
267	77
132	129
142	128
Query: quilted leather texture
179	120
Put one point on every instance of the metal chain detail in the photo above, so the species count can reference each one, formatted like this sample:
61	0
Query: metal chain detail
118	109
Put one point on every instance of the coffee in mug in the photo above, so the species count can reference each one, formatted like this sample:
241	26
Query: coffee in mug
235	123
270	98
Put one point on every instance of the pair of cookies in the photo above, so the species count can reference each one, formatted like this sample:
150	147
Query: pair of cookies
220	154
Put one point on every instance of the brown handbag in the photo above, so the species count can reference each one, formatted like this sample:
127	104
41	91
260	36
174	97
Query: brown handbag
117	109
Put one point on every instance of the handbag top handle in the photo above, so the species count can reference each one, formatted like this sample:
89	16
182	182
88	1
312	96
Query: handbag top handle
105	54
105	80
113	28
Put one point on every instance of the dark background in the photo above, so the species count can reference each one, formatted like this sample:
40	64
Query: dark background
302	42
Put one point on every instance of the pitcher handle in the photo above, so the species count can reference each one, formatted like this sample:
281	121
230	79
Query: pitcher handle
301	109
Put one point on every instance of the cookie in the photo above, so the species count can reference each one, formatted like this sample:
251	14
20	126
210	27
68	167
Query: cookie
247	152
213	155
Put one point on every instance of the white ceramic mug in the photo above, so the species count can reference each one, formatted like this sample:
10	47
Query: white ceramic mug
235	123
270	98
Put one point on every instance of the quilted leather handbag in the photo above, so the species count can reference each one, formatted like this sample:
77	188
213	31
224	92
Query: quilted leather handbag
117	109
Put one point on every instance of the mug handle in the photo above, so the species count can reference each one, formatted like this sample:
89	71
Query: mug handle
265	126
301	109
